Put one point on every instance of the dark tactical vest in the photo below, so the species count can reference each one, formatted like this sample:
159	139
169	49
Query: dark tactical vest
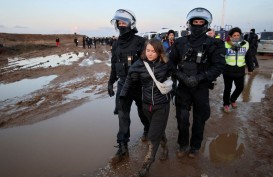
193	59
127	56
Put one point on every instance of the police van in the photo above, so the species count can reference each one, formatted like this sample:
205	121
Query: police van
265	44
148	35
179	32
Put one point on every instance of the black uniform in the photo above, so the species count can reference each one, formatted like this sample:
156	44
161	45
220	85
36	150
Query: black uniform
252	39
125	51
203	59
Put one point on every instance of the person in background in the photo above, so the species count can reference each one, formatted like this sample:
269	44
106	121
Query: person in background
217	36
83	41
169	42
76	41
88	42
155	105
165	38
125	51
237	57
200	59
57	42
252	39
211	32
94	40
112	40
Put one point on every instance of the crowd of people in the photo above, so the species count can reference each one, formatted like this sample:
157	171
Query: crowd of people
193	62
90	41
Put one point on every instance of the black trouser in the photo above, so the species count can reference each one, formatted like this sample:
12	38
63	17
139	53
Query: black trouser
198	98
255	61
124	114
158	118
239	87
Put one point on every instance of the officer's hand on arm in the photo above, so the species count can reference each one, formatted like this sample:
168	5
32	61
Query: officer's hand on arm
193	81
110	90
190	82
180	76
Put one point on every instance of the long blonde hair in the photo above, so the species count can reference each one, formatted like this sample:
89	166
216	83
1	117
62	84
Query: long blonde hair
158	47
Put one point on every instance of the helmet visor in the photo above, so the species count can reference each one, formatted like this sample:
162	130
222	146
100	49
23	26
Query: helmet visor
122	15
200	13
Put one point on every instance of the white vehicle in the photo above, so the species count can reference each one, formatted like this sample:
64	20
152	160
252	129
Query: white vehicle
149	35
265	44
179	32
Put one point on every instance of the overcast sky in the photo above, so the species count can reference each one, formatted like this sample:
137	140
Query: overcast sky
92	17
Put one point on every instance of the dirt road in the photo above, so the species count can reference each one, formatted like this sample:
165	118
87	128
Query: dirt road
235	144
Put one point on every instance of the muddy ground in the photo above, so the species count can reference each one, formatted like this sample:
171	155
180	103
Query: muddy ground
235	144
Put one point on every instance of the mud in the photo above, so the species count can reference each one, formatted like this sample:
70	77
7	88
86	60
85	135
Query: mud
235	144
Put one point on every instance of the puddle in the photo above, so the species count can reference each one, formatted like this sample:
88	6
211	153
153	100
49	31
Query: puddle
45	62
23	87
255	86
87	92
224	148
89	61
75	143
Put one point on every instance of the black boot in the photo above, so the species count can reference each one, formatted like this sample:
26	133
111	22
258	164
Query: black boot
149	159
120	154
165	151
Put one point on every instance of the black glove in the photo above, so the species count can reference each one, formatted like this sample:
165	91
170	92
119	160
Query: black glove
193	81
111	90
180	76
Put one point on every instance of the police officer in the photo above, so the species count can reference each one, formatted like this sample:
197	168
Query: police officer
238	56
125	51
252	39
199	60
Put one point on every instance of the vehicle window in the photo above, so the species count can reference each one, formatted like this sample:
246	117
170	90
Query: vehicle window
184	33
266	36
175	34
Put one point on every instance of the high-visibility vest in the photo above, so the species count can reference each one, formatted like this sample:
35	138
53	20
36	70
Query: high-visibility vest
234	58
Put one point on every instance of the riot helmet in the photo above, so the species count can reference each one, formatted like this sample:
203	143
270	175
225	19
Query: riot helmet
199	13
126	16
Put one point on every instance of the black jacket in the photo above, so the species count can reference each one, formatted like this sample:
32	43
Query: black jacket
120	52
150	92
213	60
252	39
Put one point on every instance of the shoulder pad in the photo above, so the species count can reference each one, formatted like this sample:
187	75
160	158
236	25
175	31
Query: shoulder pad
181	40
215	41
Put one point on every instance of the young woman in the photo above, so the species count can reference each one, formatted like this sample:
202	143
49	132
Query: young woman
155	105
237	57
